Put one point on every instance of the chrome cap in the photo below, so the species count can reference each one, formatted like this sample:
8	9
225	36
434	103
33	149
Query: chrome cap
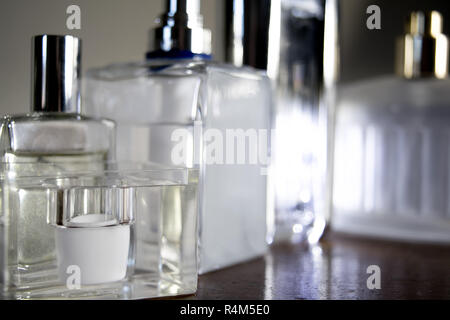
181	28
56	74
423	50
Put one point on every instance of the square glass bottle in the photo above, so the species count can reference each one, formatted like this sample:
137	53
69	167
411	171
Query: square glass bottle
75	224
180	108
391	169
105	226
53	132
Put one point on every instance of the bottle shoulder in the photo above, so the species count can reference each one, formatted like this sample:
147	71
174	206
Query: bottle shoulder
172	68
57	133
245	72
395	95
176	91
46	118
147	69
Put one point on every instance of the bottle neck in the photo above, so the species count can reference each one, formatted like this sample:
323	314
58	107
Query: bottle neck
423	51
180	33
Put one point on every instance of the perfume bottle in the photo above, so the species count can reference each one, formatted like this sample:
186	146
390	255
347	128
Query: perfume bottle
289	37
95	223
74	223
54	132
300	134
180	108
392	135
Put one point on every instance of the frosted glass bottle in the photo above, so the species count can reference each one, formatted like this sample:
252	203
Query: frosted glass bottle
392	136
391	159
180	108
178	116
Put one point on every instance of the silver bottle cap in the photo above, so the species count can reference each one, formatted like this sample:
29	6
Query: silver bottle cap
423	50
56	74
181	27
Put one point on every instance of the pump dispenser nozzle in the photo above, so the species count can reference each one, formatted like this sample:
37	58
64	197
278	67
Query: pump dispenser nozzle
181	28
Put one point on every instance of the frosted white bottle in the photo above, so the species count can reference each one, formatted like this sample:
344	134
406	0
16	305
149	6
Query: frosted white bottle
180	108
392	174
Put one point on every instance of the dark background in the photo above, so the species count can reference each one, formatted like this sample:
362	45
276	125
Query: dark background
366	53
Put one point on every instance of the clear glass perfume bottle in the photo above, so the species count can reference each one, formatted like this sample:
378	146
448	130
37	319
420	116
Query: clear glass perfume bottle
54	132
73	222
176	109
286	38
392	135
104	227
300	136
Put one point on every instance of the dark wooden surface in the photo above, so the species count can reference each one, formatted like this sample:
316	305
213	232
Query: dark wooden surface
335	269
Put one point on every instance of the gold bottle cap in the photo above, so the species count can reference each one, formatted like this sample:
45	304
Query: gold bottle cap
423	50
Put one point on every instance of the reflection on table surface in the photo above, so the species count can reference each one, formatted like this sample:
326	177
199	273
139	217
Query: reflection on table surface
335	269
